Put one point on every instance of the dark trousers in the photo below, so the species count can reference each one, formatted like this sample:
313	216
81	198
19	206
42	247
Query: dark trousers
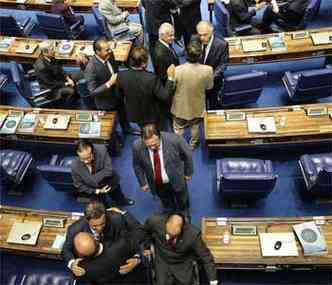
152	43
173	200
67	96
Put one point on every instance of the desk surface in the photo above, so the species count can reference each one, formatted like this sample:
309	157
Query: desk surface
244	252
71	135
292	126
294	48
77	5
10	215
121	51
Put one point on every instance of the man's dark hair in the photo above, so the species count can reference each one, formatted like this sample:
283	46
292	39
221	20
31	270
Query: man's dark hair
194	52
139	56
149	130
94	210
83	144
97	44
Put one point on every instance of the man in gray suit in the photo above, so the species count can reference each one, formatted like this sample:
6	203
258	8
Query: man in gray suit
162	164
93	175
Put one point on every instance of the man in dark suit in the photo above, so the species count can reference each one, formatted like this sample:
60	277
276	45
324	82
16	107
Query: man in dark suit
156	13
143	91
215	53
106	227
50	75
102	263
162	164
101	75
177	244
94	176
290	13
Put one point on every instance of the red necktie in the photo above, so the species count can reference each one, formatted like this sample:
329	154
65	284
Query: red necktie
172	242
157	167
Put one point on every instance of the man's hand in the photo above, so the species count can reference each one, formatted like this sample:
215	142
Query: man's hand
70	82
187	178
171	72
105	189
145	188
116	210
77	271
131	263
112	80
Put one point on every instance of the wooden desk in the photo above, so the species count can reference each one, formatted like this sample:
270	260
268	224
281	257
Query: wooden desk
77	5
121	51
293	126
68	136
295	49
243	252
9	215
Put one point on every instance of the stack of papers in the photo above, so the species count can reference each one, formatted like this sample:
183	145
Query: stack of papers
29	123
89	130
6	43
26	48
277	43
57	122
322	38
10	125
65	48
261	125
278	244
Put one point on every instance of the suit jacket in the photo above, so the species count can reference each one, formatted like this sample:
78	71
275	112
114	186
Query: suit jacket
50	75
117	226
192	80
164	57
141	90
84	181
295	11
239	13
156	13
97	74
190	14
177	157
189	245
66	11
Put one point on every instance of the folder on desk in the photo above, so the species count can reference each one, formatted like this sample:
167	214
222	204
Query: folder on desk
65	48
24	233
268	244
322	38
254	45
57	122
261	125
86	49
6	43
28	48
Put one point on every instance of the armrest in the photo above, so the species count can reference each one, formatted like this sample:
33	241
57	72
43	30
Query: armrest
308	166
246	176
54	159
25	21
75	26
242	29
41	93
50	168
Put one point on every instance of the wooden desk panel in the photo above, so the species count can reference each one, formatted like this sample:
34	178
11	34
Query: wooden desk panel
77	5
297	128
121	51
244	252
61	136
43	248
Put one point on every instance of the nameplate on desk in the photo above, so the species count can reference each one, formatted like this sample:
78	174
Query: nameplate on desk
238	230
54	222
300	35
235	116
254	45
84	117
316	111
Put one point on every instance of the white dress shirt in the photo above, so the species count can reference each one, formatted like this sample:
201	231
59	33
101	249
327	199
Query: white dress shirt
208	48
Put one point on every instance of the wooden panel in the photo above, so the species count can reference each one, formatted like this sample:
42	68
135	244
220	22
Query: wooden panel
245	251
121	51
59	136
43	248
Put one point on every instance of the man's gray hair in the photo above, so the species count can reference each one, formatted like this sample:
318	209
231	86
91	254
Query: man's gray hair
205	23
165	28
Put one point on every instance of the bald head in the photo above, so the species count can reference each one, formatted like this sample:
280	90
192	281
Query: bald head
174	224
205	31
166	33
85	244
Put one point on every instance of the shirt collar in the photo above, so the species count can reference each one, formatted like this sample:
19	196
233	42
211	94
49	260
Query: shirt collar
164	43
100	59
100	249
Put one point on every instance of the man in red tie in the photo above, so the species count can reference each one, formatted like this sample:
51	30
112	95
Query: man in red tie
163	164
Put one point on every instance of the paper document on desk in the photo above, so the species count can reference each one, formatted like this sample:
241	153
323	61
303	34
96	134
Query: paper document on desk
28	48
261	125
90	130
269	242
86	49
322	38
21	1
10	125
28	123
254	45
57	122
277	43
311	238
65	48
24	233
58	242
6	43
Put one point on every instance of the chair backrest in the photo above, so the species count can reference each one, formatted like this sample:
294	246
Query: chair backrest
243	89
21	82
53	25
314	83
9	27
222	19
101	24
310	12
324	181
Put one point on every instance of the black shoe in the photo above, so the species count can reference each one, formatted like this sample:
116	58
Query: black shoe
127	202
132	131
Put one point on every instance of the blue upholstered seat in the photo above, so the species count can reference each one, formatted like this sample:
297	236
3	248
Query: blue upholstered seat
317	173
308	85
14	165
100	20
58	173
243	88
222	22
55	27
9	26
245	178
3	80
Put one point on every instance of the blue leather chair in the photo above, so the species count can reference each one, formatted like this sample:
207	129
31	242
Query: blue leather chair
14	166
245	178
3	81
317	173
308	85
100	20
222	22
30	90
58	173
55	27
9	26
242	89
